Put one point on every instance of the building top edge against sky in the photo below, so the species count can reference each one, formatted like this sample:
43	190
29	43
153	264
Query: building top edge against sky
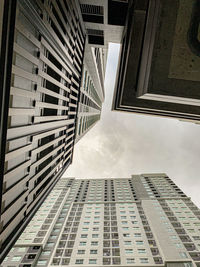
144	220
53	62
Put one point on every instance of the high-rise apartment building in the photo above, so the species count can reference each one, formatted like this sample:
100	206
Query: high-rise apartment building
103	24
48	65
53	60
145	220
159	66
91	91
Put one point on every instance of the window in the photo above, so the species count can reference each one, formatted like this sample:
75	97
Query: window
95	228
79	261
84	236
191	230
183	255
134	222
130	260
96	223
48	252
133	217
123	217
129	251
42	262
95	235
139	242
126	235
93	251
128	243
50	244
86	223
16	258
125	228
81	251
141	251
85	229
144	260
137	234
82	243
124	222
178	245
94	243
92	261
173	237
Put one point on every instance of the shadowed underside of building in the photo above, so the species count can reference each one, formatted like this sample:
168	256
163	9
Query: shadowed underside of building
159	65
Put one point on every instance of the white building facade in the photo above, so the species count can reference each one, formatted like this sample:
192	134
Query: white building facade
145	220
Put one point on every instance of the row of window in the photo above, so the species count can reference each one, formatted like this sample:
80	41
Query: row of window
126	242
115	261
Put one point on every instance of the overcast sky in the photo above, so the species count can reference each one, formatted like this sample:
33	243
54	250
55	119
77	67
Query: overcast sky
122	144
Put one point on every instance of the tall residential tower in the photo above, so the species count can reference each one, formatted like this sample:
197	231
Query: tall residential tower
52	63
145	220
48	66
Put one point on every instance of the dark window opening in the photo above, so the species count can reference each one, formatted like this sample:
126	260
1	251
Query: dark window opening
53	74
54	61
93	18
45	152
117	12
95	39
52	87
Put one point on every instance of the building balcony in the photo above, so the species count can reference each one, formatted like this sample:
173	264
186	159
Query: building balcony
195	256
180	231
154	251
185	238
158	260
190	247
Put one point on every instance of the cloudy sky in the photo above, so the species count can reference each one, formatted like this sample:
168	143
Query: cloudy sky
122	144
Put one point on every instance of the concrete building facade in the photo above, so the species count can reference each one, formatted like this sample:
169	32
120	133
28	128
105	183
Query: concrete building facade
103	24
145	220
53	61
91	92
51	94
159	65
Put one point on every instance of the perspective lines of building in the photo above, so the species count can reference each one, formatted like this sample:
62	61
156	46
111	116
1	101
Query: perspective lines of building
52	63
145	220
53	59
